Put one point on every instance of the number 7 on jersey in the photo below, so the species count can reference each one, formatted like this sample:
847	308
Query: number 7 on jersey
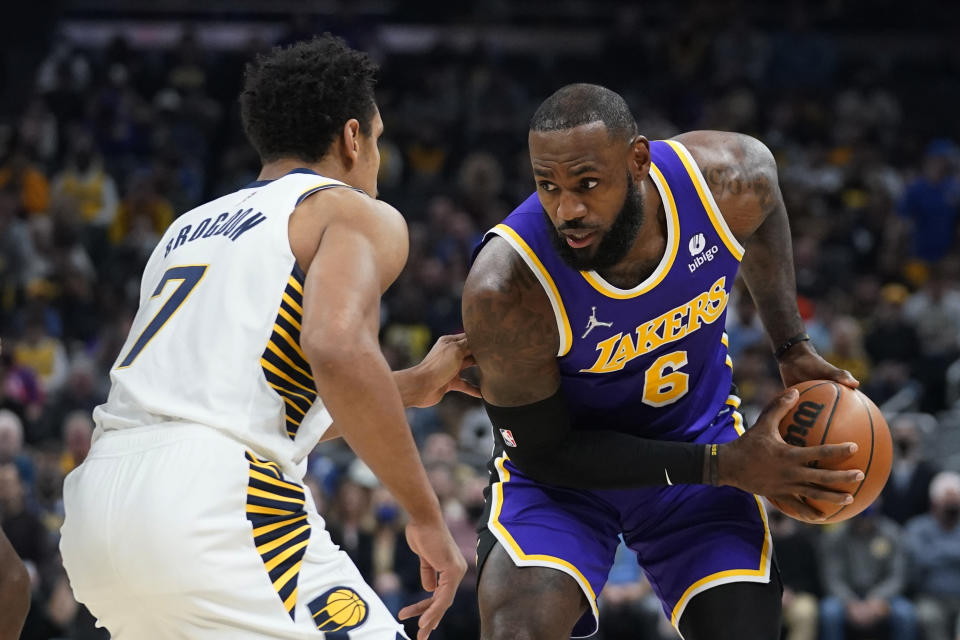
189	276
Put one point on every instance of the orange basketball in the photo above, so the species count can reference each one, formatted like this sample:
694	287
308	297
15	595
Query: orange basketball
830	413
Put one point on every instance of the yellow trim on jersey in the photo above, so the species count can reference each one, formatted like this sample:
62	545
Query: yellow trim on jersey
253	491
540	559
277	560
289	340
267	547
269	464
293	303
282	581
269	366
733	401
706	197
280	354
738	423
290	402
293	282
291	600
328	183
728	361
730	575
262	477
563	322
725	340
666	263
270	511
289	318
267	528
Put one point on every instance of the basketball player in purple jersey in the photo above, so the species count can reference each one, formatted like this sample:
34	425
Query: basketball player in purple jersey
596	312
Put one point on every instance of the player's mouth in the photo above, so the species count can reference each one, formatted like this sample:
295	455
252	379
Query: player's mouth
579	239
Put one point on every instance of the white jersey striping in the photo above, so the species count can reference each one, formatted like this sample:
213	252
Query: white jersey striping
216	338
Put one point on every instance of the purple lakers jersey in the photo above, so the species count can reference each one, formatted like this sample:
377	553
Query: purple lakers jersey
652	360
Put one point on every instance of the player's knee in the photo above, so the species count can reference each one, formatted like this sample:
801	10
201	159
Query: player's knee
517	622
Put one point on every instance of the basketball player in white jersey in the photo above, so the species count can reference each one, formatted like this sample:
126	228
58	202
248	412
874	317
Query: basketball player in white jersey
255	338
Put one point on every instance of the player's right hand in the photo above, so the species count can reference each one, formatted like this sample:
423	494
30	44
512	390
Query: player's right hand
761	462
442	567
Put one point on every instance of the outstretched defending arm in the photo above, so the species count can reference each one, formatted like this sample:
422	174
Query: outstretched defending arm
358	254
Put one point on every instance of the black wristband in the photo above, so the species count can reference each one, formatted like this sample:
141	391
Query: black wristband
797	339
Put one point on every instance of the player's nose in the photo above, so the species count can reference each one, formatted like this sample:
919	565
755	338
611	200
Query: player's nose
570	207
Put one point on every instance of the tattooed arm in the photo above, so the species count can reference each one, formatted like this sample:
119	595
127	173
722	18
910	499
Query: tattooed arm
742	175
511	328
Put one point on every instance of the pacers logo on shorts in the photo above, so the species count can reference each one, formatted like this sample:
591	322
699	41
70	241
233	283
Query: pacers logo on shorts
338	609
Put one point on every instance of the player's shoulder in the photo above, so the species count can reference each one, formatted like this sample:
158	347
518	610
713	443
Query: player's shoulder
719	150
350	207
502	294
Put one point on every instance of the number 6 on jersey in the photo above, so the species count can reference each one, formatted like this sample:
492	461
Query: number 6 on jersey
189	276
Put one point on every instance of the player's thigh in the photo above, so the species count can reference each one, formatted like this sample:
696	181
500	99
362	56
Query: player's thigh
735	611
526	603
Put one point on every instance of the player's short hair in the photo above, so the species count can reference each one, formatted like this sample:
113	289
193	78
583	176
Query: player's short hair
296	99
578	104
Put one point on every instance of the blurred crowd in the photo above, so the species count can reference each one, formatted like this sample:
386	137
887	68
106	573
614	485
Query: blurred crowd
105	146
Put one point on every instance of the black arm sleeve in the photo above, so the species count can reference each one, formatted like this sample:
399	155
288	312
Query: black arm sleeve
541	442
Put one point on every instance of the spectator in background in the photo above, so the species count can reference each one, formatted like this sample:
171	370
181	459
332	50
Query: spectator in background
628	607
864	573
21	523
847	352
142	217
907	492
11	445
18	172
935	312
77	432
42	353
932	545
891	344
15	255
744	329
19	388
85	181
79	395
799	572
932	202
351	528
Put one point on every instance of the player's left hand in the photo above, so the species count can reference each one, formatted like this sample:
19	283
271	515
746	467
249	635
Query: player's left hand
803	363
439	372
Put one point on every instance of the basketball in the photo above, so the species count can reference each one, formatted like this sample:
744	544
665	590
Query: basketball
831	413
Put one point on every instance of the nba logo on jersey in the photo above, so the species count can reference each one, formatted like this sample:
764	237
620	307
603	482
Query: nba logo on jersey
508	437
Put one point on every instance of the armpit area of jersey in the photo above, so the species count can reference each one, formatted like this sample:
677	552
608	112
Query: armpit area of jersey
539	440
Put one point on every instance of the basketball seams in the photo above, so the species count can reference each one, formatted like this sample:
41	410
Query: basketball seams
826	430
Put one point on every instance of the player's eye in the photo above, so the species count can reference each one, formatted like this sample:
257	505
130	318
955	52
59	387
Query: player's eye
590	183
547	186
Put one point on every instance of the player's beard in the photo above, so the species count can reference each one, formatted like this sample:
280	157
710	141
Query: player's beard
614	244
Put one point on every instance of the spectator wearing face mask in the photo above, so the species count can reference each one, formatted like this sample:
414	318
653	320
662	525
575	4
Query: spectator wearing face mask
932	544
907	493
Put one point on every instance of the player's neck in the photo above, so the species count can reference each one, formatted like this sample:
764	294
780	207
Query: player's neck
327	167
648	248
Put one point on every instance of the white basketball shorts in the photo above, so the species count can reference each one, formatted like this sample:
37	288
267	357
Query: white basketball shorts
177	531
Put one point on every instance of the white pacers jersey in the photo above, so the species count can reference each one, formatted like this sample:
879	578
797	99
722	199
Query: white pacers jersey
216	340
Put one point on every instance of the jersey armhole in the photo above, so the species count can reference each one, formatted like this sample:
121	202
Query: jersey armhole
706	197
543	276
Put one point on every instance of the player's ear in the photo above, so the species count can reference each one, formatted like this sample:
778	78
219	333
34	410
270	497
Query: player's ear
639	160
350	142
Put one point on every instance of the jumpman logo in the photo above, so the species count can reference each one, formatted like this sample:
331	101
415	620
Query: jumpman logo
593	323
